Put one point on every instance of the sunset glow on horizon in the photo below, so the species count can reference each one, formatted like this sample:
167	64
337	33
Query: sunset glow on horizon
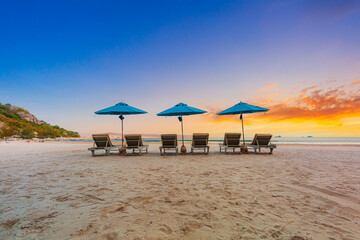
332	110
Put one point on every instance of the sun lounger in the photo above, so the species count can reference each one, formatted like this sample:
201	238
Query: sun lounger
103	142
200	141
262	141
168	141
232	141
135	142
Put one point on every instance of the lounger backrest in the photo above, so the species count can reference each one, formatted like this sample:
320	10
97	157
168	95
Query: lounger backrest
133	140
200	139
232	139
261	139
169	140
102	140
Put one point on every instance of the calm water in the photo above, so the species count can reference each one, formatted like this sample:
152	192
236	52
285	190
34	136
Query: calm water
279	140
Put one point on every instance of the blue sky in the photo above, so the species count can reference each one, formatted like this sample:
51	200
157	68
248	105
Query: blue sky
64	60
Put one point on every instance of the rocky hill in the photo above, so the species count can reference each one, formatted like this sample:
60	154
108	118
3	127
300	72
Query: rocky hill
16	121
24	114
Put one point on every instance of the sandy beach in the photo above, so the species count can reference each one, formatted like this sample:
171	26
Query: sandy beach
58	191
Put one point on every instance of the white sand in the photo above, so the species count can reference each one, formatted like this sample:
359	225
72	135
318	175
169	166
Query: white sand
58	191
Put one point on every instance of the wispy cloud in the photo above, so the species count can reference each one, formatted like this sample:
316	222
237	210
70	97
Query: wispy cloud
321	104
305	90
268	87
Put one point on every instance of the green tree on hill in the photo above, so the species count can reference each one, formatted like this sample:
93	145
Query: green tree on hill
14	124
27	133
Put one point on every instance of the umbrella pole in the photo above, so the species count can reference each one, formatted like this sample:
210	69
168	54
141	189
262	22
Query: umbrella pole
182	132
122	131
242	123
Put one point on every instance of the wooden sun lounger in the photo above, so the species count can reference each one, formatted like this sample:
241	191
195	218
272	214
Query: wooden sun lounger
103	142
168	141
262	141
135	142
232	141
200	141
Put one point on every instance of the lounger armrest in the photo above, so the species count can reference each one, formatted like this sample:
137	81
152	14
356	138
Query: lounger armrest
251	145
117	146
261	146
267	146
169	147
96	148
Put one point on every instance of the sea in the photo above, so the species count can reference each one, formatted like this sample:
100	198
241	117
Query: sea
276	140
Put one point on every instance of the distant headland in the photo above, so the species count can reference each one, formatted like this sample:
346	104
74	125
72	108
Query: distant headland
20	123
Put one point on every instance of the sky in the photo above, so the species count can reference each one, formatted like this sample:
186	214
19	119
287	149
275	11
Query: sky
64	60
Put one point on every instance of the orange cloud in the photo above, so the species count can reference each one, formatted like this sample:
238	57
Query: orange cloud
310	104
326	106
304	90
356	82
268	87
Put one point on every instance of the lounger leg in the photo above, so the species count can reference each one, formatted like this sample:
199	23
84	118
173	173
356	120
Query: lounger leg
271	150
107	152
177	151
225	150
208	149
93	153
220	148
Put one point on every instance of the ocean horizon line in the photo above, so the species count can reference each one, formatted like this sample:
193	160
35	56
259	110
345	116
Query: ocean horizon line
276	140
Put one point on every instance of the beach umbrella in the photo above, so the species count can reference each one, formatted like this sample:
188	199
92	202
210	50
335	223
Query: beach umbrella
242	108
181	110
121	109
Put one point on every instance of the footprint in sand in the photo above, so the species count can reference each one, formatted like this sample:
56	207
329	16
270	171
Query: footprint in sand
166	229
10	223
111	236
190	226
275	234
62	198
297	238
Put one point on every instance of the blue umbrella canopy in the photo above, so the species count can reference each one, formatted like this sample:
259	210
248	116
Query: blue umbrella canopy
242	108
181	109
121	109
